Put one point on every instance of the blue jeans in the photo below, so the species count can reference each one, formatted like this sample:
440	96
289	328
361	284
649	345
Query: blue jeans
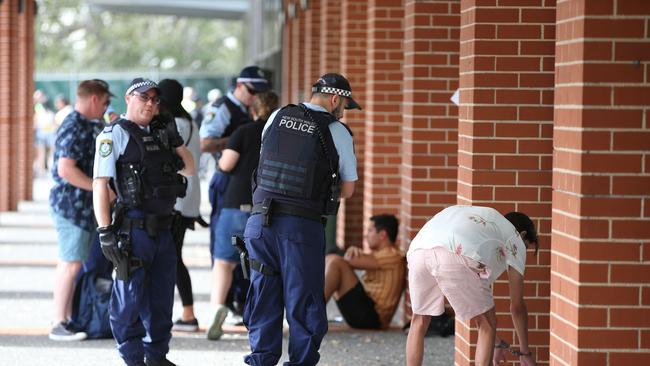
231	222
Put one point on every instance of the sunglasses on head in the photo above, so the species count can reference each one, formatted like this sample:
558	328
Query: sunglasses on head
145	98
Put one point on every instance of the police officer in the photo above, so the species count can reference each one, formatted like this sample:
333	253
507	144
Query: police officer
226	115
307	163
139	156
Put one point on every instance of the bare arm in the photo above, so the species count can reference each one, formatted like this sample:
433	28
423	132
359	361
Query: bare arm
213	144
101	202
188	160
360	260
347	189
519	313
228	160
68	170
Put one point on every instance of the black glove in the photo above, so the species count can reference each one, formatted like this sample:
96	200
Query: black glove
108	242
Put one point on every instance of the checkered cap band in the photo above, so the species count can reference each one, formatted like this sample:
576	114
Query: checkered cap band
337	91
141	84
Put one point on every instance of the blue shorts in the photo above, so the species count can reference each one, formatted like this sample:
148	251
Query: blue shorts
231	221
74	242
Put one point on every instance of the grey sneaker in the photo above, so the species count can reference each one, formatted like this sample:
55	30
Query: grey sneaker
215	331
60	332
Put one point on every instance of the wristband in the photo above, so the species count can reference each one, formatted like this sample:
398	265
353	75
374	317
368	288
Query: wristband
104	229
519	353
503	344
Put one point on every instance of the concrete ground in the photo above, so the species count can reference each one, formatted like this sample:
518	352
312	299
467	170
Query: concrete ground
28	253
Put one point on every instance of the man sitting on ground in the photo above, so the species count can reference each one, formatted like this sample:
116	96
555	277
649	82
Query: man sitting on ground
368	303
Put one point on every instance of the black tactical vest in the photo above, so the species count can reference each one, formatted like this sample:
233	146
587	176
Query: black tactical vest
147	177
298	160
237	116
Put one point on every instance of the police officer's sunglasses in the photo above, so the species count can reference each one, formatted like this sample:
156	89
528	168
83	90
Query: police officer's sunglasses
250	90
145	98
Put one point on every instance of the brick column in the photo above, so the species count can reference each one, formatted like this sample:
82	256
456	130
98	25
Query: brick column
383	133
287	39
313	41
600	284
23	150
8	103
353	65
505	141
297	54
330	37
430	128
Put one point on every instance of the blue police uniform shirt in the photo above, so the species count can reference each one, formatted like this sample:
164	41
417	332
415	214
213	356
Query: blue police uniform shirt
217	119
109	146
342	141
74	140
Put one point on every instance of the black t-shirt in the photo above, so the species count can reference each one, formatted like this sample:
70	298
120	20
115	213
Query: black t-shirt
246	140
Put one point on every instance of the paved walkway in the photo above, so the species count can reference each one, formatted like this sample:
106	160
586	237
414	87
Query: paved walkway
28	253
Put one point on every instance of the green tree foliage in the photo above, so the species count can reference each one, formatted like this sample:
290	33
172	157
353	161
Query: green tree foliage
72	37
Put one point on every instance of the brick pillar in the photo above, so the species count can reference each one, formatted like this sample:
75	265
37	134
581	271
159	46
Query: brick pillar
383	132
287	39
297	54
25	88
430	128
353	65
430	132
600	285
505	142
8	104
330	37
313	41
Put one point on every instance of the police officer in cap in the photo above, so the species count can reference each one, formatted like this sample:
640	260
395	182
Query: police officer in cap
141	157
307	163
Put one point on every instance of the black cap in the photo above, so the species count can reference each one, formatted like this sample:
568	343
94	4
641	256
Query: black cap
337	84
142	85
255	76
171	96
103	84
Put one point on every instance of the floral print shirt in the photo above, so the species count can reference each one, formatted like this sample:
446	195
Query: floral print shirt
480	233
75	140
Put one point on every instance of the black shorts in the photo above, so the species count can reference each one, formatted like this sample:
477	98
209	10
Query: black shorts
358	309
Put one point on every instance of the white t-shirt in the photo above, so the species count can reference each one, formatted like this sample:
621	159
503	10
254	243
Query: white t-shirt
189	205
480	233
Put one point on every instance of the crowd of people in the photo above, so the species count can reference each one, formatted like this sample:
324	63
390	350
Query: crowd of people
128	185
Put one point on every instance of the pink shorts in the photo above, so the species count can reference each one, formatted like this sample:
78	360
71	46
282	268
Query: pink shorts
438	273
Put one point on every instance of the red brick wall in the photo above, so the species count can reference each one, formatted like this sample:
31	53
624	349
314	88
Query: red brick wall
16	86
430	128
297	55
23	153
600	293
352	53
287	46
384	85
505	140
330	40
313	36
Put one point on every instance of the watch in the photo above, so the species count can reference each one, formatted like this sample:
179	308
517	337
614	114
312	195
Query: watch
503	344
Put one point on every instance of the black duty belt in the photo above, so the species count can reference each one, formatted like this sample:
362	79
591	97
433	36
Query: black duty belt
269	207
152	224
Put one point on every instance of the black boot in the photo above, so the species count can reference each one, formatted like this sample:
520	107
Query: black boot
164	362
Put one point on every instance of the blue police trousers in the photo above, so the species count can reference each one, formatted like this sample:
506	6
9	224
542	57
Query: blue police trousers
141	308
294	246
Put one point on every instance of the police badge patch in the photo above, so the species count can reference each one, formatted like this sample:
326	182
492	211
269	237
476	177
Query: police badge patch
105	148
